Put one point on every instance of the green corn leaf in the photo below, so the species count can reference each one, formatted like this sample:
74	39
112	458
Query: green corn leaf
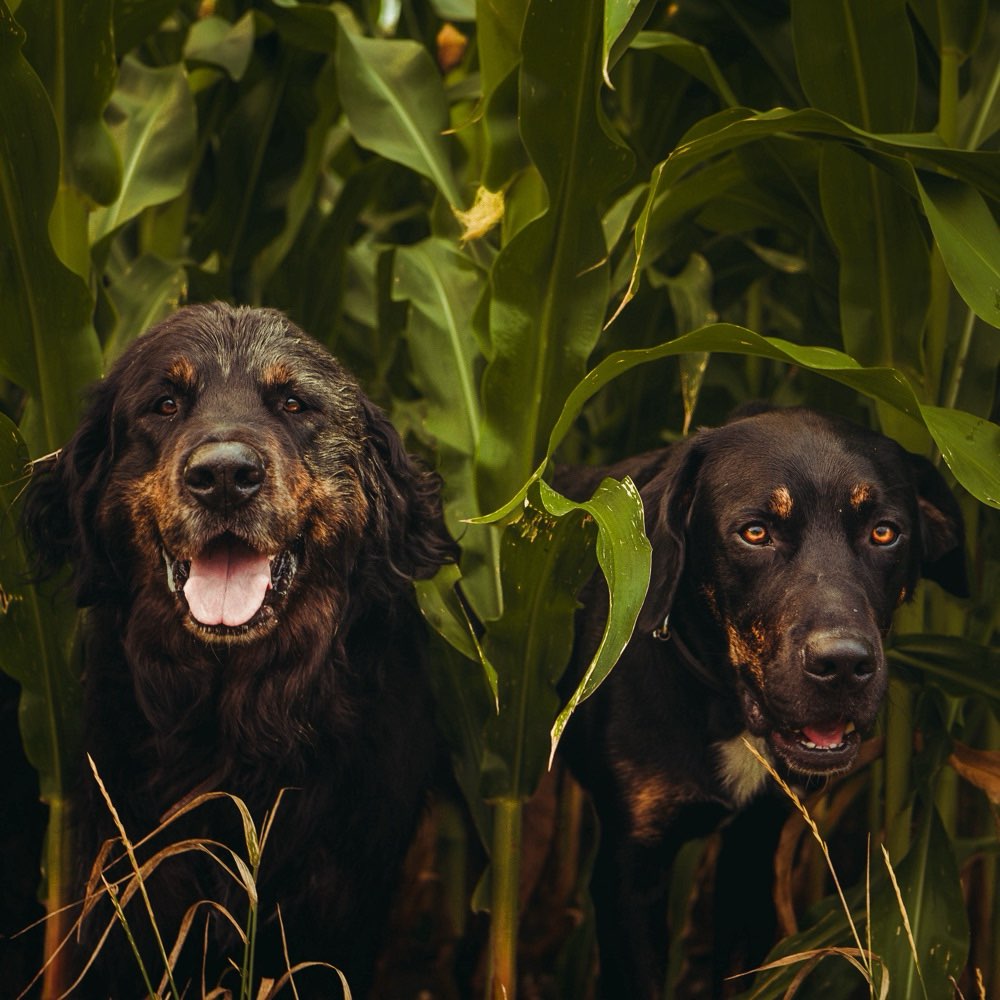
857	60
443	287
395	103
960	667
49	346
931	895
71	48
967	233
969	443
689	56
736	127
155	129
884	260
215	41
624	555
37	629
549	285
544	561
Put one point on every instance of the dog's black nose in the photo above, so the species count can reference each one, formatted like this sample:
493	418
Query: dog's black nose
832	658
224	474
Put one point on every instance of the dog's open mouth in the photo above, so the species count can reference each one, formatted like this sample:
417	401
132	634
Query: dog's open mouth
822	748
230	587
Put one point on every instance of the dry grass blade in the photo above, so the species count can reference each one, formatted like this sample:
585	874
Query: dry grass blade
906	918
863	961
811	823
185	930
136	868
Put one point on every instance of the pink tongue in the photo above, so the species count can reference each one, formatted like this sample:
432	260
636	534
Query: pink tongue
227	583
829	735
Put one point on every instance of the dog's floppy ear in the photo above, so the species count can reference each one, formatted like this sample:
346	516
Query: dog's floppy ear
942	528
406	504
59	518
668	498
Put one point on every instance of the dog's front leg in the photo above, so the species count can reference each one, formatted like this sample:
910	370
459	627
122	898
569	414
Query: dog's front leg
630	886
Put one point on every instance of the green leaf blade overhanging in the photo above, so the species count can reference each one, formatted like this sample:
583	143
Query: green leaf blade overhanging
694	59
625	557
544	562
969	239
736	127
549	285
969	443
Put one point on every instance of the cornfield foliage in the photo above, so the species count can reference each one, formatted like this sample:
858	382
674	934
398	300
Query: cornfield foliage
537	229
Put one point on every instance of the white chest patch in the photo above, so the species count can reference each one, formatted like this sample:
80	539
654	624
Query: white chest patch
741	774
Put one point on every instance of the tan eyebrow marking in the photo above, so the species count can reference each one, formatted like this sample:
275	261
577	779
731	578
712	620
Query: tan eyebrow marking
182	373
860	493
277	374
781	502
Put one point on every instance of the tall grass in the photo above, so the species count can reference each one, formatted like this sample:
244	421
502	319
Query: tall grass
125	891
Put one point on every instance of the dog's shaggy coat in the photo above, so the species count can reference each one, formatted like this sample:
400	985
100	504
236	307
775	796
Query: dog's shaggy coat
783	542
244	525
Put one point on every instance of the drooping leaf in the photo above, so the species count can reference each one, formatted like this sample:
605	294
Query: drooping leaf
691	299
970	446
690	57
217	42
394	99
735	127
155	128
968	443
544	561
624	555
969	239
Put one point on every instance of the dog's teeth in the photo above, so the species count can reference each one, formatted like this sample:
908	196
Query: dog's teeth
809	744
171	582
849	728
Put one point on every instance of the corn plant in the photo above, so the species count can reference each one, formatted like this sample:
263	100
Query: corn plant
508	219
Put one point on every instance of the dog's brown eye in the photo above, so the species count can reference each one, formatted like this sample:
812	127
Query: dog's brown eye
884	534
293	404
755	534
167	406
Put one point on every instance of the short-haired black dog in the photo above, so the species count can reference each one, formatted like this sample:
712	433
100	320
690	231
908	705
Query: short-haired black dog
244	526
783	542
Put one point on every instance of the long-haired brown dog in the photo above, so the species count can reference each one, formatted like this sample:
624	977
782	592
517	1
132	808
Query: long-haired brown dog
244	525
